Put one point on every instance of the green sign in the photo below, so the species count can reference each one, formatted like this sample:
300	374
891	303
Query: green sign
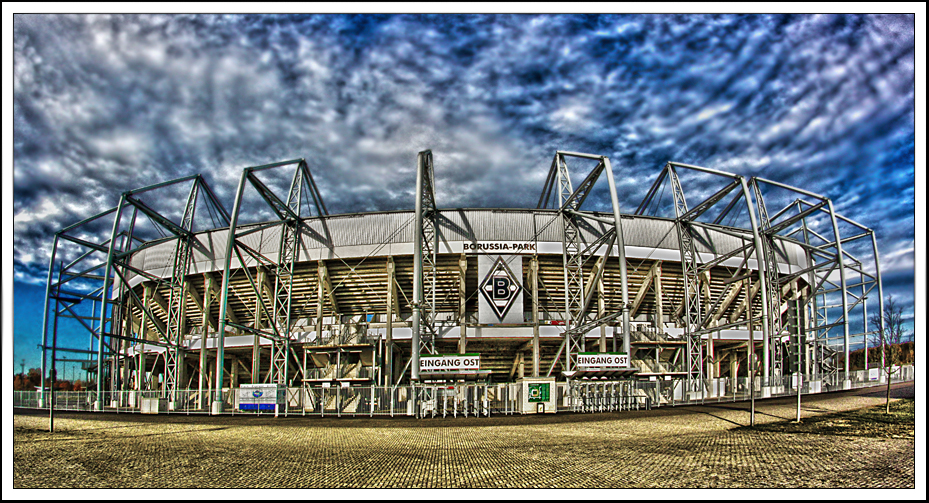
538	392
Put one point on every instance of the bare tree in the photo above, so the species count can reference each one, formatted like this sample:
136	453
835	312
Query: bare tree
890	333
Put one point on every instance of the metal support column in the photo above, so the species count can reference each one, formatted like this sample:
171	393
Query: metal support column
880	294
147	293
693	319
462	304
841	259
177	302
573	265
104	295
389	342
202	367
621	252
425	244
773	297
218	404
283	282
48	295
534	282
756	236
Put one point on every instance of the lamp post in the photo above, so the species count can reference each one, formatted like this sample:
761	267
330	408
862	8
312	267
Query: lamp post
751	352
799	374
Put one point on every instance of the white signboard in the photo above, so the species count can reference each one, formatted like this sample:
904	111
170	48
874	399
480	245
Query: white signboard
261	396
450	363
587	361
499	247
874	374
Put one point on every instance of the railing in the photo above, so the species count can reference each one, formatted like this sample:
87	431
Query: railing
344	335
318	373
605	396
461	399
676	392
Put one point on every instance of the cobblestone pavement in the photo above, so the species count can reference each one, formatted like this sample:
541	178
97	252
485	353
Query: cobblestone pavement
685	447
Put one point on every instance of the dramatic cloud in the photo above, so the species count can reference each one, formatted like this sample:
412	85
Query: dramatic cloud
104	104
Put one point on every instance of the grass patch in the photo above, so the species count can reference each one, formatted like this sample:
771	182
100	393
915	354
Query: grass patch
871	422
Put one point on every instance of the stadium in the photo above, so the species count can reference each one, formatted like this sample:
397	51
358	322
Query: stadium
710	289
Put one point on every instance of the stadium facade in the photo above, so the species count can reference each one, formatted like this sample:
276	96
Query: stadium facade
435	295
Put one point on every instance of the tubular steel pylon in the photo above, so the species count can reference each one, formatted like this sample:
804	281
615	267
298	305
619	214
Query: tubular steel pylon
693	319
425	244
115	297
292	226
696	319
575	252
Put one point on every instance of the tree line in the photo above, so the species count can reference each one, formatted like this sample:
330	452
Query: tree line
905	355
29	381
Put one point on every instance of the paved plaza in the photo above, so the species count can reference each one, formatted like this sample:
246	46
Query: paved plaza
703	446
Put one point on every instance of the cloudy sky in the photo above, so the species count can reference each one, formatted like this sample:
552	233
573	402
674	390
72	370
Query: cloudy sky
103	104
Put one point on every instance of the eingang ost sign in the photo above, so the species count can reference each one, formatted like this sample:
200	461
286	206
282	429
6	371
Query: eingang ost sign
602	361
450	363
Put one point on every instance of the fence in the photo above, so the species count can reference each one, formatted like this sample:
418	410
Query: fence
604	396
466	400
336	401
682	392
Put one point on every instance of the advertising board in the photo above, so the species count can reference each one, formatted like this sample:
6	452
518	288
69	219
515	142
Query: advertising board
261	396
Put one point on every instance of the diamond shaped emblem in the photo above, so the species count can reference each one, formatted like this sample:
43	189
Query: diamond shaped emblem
500	288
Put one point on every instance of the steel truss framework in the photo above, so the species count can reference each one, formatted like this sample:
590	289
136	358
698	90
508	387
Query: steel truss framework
107	264
426	244
98	278
578	317
273	299
829	266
